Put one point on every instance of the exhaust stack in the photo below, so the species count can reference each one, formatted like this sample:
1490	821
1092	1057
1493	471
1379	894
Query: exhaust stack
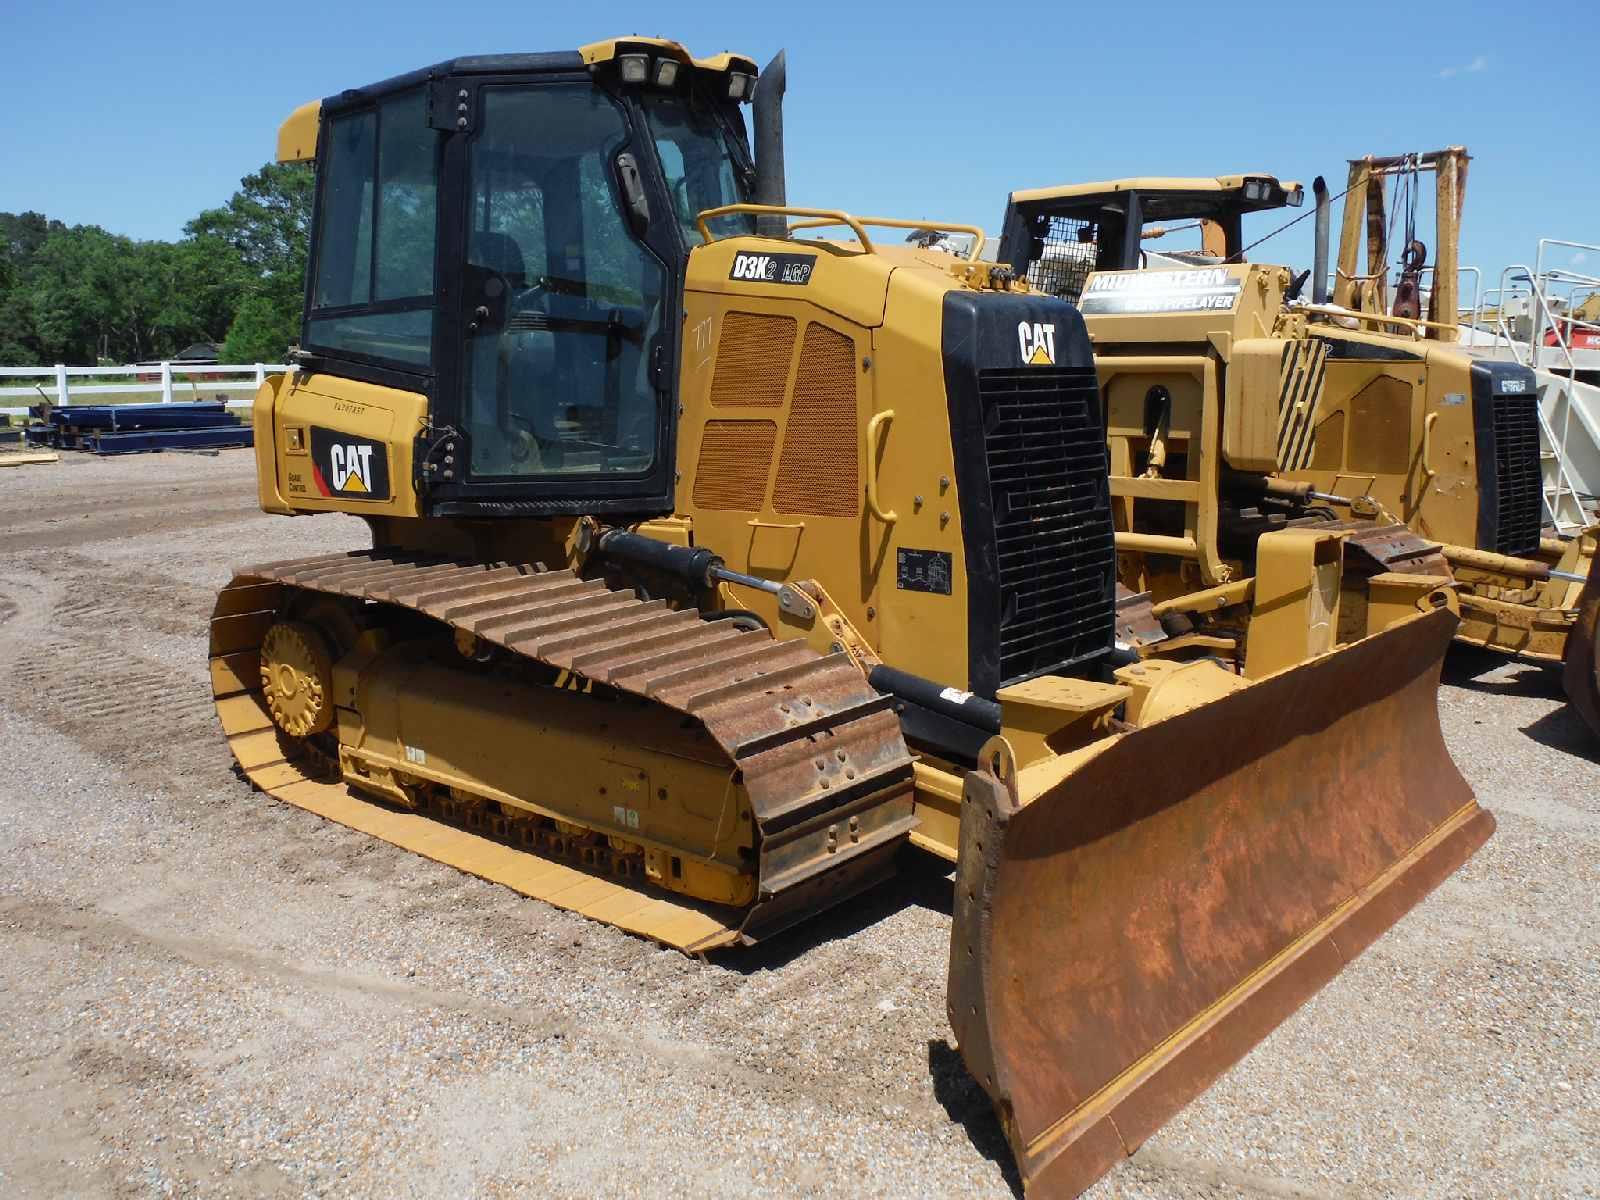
1319	264
768	106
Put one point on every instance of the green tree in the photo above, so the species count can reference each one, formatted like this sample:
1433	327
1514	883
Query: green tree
79	294
266	224
21	235
267	221
262	330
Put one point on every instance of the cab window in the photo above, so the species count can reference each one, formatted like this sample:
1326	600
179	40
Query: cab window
701	159
372	282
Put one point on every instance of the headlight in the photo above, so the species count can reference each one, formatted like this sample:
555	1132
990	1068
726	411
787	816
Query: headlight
1255	189
666	72
740	85
1295	197
635	67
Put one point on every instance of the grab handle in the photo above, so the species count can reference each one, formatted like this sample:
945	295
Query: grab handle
1427	447
874	432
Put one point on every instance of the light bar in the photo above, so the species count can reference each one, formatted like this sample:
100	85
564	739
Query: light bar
635	67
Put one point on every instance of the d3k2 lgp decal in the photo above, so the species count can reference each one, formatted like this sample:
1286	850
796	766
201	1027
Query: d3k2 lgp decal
773	268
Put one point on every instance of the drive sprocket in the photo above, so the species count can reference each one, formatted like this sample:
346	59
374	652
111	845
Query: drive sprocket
297	678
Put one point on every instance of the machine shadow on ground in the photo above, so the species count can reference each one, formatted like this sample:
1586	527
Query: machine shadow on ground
921	881
1491	674
1474	669
966	1105
1565	731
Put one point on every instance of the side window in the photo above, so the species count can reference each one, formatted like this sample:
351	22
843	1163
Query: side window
698	163
408	201
344	241
372	291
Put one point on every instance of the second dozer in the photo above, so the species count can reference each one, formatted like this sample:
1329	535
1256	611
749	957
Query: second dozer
712	566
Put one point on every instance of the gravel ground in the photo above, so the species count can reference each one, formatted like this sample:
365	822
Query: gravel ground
203	991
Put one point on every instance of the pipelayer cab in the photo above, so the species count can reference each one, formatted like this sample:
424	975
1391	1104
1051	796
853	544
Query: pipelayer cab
1237	406
715	568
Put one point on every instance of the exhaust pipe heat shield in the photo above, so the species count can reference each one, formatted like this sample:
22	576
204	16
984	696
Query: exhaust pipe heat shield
1125	936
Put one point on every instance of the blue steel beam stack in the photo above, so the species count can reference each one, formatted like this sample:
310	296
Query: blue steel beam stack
129	428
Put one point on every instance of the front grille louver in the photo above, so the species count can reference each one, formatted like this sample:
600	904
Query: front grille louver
1520	486
1045	452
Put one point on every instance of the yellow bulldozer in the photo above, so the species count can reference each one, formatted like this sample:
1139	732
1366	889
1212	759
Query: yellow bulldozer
717	567
1367	423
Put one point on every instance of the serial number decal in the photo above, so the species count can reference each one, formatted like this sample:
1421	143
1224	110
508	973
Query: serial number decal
922	570
792	269
343	464
1202	289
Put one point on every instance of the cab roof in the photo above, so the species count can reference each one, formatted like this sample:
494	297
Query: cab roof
297	136
1163	197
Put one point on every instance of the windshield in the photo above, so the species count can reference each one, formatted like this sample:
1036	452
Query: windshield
565	300
703	161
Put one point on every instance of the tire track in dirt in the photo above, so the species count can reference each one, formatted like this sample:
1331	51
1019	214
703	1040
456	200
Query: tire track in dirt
65	650
123	521
88	929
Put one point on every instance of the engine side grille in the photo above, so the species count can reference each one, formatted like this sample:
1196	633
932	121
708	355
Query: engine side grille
1045	451
735	457
818	471
1520	489
753	359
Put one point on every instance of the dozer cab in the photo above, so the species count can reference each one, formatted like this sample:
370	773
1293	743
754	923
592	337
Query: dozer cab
716	566
1305	412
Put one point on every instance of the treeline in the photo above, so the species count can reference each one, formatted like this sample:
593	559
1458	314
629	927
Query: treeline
76	294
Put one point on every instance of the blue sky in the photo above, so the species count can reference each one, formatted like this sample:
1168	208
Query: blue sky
134	117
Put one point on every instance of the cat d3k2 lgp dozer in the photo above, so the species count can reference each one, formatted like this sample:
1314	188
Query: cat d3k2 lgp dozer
714	569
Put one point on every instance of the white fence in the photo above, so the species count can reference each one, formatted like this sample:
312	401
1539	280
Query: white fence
167	381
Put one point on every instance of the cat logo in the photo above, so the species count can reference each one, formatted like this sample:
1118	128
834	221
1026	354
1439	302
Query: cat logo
346	465
1038	343
352	469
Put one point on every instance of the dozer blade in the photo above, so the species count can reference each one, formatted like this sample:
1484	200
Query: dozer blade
1581	668
1125	936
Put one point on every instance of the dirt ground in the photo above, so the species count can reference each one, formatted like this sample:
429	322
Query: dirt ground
202	991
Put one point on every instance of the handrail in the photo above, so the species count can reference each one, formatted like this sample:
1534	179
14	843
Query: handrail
874	426
1564	480
1415	325
1535	276
831	216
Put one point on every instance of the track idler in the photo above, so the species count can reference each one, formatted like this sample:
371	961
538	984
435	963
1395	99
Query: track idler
1128	929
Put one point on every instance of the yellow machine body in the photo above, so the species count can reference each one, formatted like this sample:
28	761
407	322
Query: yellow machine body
706	722
1345	398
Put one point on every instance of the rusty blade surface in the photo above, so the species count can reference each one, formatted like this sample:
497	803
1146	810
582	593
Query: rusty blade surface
1124	938
1580	672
